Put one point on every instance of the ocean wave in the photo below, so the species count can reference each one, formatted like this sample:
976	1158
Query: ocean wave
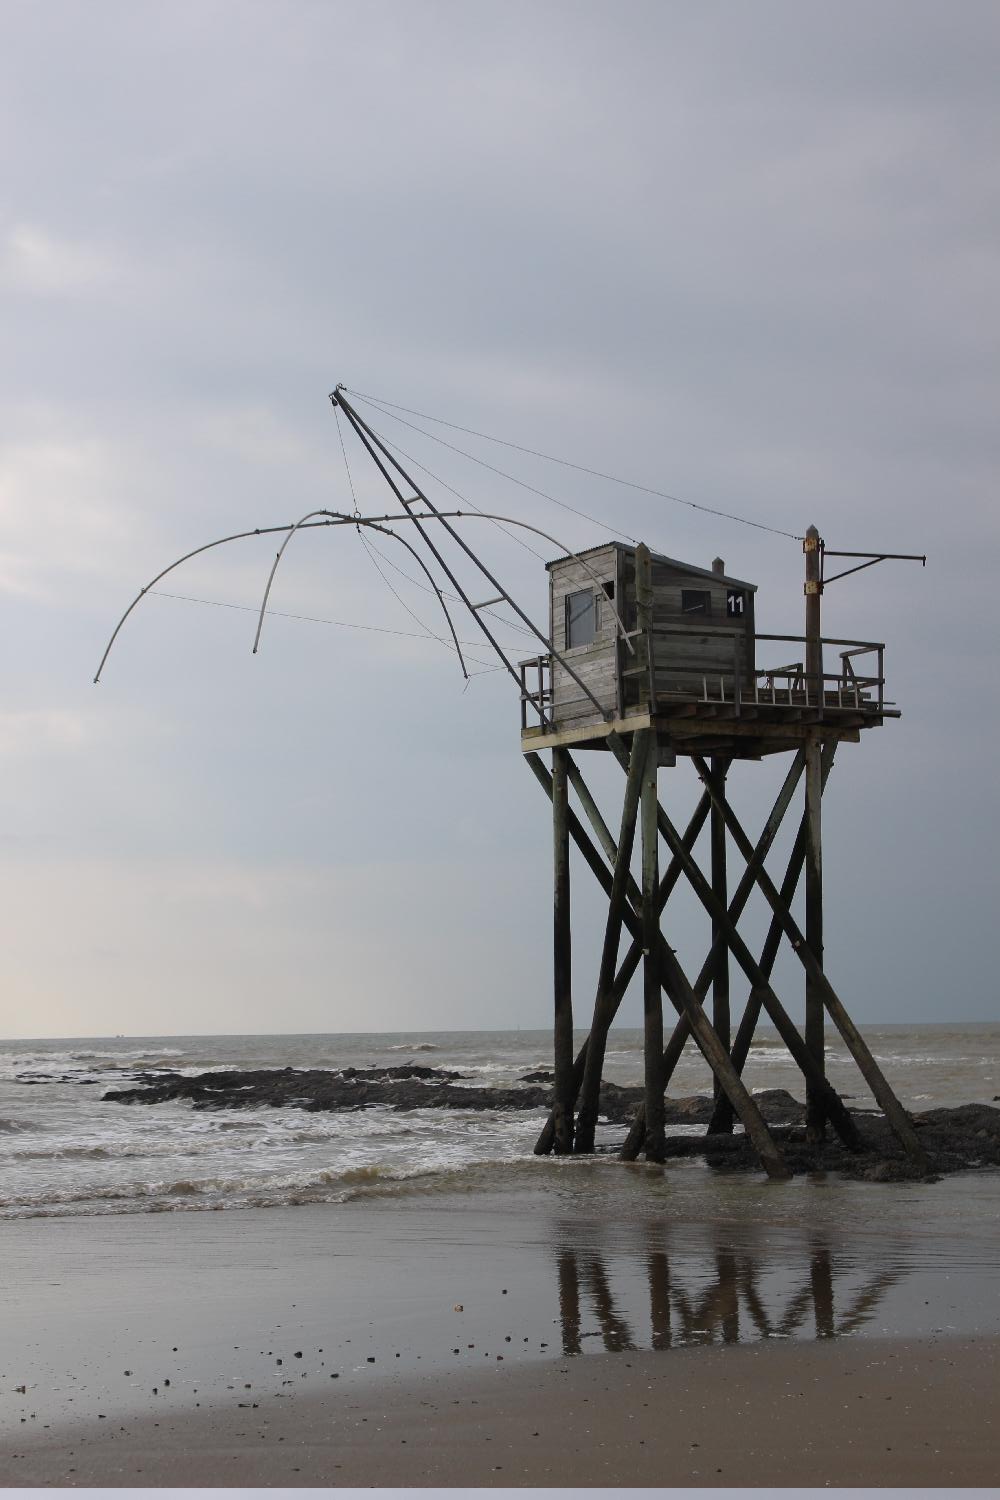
932	1059
160	1149
252	1190
15	1127
413	1047
62	1057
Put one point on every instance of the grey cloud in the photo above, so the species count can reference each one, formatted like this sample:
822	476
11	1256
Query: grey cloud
743	254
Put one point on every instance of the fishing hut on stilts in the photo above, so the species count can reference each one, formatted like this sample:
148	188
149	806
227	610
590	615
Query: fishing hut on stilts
682	679
645	659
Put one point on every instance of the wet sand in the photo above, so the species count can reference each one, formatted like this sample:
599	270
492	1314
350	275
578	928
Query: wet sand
853	1413
602	1327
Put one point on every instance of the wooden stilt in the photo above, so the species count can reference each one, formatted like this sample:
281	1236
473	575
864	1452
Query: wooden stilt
652	1000
604	1004
562	958
812	547
855	1042
630	963
815	1040
679	1039
720	976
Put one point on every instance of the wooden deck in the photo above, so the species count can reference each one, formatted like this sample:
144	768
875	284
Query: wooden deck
772	710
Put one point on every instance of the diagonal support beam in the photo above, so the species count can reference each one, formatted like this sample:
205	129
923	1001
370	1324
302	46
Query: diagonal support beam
678	988
855	1042
729	933
722	1119
682	1031
715	1054
837	1110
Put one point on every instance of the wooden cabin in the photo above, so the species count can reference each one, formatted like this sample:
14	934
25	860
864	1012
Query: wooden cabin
639	637
702	628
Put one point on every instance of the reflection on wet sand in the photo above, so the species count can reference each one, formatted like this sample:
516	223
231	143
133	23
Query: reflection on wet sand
724	1295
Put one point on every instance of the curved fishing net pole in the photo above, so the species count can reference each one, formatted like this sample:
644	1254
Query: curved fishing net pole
327	518
337	518
334	518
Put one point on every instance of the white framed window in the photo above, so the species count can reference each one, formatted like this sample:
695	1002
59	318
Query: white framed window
581	618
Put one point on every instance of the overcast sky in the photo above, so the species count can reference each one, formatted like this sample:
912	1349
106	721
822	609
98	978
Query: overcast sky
743	253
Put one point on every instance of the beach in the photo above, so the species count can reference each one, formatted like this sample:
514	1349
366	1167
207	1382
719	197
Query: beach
211	1290
523	1337
906	1415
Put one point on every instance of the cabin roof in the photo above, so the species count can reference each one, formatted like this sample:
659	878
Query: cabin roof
659	557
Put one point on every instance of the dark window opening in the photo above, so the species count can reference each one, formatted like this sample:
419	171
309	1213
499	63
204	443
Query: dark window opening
609	588
696	602
581	618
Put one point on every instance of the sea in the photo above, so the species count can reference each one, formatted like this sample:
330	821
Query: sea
66	1150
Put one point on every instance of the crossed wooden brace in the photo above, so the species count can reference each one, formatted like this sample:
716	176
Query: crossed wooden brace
625	909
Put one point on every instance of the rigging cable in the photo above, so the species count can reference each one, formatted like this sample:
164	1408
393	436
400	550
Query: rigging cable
394	446
364	542
454	598
543	494
281	614
343	449
566	463
400	600
498	524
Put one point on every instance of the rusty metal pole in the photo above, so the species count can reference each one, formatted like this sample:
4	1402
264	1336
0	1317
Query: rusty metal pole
815	1021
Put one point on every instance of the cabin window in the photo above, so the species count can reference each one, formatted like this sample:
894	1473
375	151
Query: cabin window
602	601
581	618
696	602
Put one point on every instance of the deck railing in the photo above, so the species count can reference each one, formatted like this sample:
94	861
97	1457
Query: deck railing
786	686
847	689
536	688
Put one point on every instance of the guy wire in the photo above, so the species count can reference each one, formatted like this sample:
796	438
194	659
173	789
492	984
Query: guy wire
566	463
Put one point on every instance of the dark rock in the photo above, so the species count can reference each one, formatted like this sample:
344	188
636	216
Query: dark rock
405	1087
779	1107
539	1076
405	1070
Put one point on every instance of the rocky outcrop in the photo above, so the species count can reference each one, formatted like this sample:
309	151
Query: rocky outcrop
404	1087
955	1139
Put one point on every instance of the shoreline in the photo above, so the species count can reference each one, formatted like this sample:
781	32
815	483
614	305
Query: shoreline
268	1345
854	1412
